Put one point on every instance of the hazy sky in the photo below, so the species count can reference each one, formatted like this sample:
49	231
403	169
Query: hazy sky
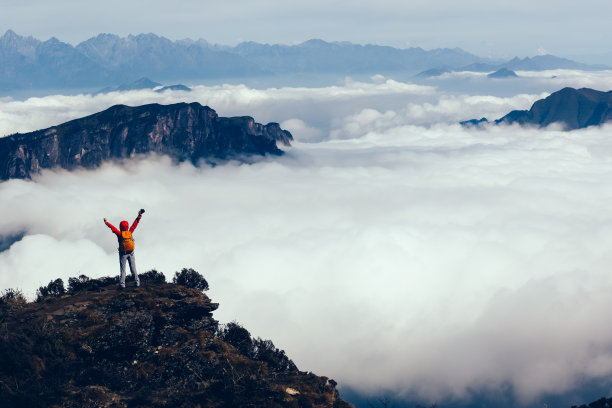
488	28
394	250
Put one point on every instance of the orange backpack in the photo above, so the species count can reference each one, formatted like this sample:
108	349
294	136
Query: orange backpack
126	243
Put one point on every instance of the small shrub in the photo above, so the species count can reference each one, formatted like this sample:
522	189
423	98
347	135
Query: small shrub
83	282
191	279
11	300
152	276
264	350
54	289
108	280
239	337
76	284
12	296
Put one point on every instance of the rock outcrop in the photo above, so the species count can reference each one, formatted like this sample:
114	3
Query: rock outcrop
153	346
573	108
569	107
503	73
600	403
182	131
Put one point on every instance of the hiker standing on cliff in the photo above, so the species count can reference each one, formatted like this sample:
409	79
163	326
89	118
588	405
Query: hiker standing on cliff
126	247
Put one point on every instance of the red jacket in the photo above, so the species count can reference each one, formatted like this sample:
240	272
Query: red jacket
123	226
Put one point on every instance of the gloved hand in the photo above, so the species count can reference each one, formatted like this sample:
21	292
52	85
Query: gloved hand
141	211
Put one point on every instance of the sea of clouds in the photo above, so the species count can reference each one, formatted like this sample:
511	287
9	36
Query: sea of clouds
389	248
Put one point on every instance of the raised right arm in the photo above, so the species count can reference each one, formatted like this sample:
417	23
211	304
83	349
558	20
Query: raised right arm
112	227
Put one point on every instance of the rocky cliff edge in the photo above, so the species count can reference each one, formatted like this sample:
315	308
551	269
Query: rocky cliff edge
182	131
153	346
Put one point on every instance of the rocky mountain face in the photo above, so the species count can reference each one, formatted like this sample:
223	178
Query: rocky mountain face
182	131
153	346
572	108
600	403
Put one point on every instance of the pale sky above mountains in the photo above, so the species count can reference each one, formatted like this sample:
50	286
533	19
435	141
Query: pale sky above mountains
494	29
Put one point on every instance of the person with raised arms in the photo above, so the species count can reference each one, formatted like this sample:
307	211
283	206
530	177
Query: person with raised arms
126	247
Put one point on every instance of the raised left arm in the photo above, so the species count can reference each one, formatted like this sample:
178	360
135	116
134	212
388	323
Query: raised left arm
137	220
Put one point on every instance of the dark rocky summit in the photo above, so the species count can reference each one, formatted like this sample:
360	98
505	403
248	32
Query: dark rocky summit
503	73
600	403
435	72
572	108
182	131
475	122
153	346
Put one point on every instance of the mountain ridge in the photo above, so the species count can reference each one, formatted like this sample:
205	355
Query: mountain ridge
108	59
571	108
182	131
158	345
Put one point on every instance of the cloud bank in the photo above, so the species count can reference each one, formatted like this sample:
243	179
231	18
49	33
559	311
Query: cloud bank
428	260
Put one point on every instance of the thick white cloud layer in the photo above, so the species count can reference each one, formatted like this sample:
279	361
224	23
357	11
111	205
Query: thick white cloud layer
388	255
315	114
319	106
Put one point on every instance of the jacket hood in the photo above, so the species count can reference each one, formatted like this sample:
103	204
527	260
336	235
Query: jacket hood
124	225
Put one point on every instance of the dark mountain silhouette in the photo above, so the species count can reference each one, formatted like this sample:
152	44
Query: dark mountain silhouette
503	73
434	72
572	108
600	403
475	122
182	131
154	346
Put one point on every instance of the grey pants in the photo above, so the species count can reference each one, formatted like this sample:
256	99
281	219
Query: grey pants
132	261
